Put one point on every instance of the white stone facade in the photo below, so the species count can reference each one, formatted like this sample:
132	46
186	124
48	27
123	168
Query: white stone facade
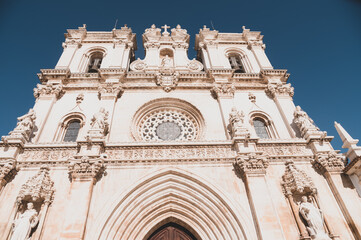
116	147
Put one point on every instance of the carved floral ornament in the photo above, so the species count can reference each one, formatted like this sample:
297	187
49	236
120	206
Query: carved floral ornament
296	181
223	91
85	168
279	89
37	188
329	161
48	89
251	163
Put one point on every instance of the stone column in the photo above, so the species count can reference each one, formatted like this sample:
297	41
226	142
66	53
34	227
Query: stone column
252	168
224	94
46	96
108	95
282	96
331	165
83	173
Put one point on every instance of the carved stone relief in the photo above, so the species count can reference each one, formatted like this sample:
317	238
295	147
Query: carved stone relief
99	125
54	154
156	153
167	80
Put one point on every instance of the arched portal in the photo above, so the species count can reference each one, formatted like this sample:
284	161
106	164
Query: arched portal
172	231
167	195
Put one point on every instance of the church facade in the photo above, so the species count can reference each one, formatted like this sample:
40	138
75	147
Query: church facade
168	147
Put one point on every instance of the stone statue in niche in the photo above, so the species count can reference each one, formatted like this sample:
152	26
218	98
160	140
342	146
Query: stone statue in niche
166	62
99	120
314	219
23	225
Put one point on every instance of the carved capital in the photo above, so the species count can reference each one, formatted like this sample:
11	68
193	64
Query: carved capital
48	89
7	171
167	80
251	163
279	89
223	91
38	188
296	181
329	162
86	169
110	90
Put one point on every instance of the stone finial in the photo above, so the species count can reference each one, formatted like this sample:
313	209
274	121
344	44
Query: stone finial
251	163
329	161
236	121
37	188
223	91
296	181
86	169
347	140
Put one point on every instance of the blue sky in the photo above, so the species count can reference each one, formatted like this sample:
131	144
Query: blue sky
318	41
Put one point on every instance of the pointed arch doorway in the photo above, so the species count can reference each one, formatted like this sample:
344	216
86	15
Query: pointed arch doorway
171	231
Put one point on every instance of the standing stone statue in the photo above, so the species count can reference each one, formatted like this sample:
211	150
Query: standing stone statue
25	223
99	120
26	122
303	121
236	120
314	218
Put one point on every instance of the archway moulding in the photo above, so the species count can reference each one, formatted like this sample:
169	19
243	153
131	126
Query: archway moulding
171	193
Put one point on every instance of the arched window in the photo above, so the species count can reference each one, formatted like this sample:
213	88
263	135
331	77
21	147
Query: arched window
95	62
72	131
236	63
261	128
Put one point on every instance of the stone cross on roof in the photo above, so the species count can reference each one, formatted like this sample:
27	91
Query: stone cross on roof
166	33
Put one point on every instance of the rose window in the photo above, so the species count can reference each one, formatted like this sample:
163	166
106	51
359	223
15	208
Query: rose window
168	125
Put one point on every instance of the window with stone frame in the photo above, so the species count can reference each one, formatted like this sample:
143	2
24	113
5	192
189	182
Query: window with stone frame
72	131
